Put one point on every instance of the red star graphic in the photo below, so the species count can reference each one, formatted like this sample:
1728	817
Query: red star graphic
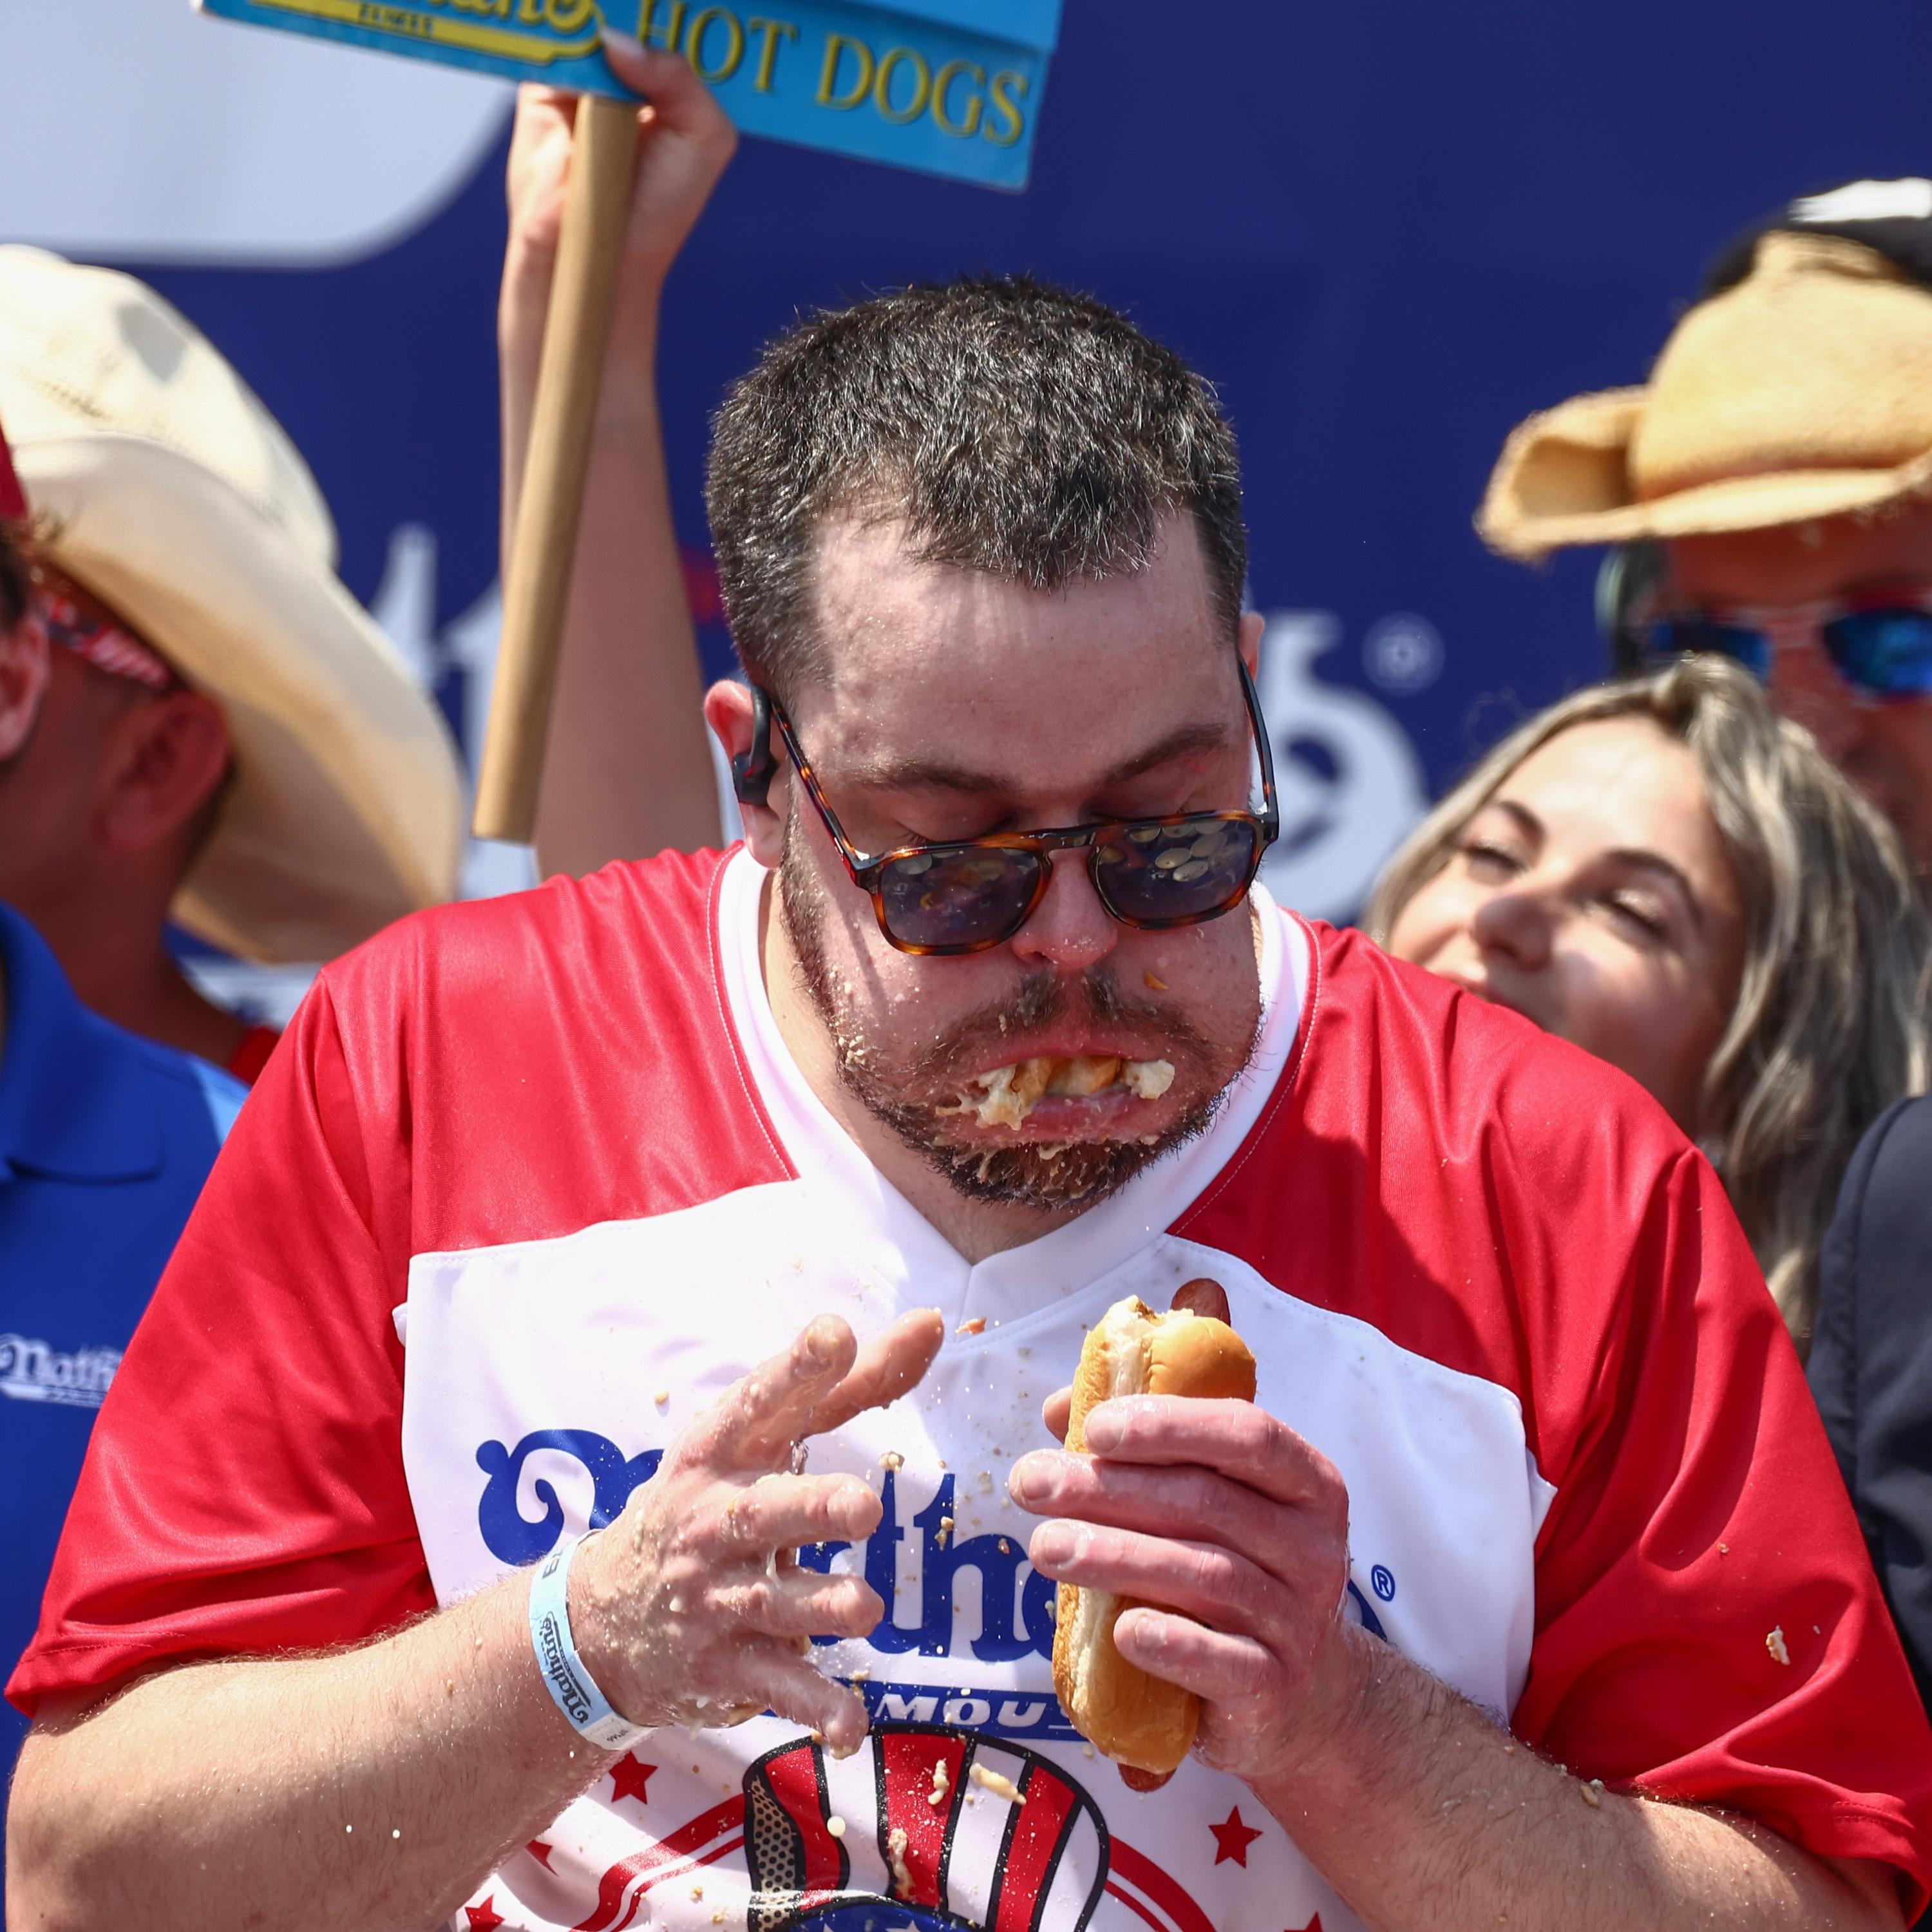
1313	1925
540	1852
484	1917
1234	1838
628	1778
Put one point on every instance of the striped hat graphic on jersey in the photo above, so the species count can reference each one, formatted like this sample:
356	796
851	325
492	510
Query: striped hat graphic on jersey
923	1829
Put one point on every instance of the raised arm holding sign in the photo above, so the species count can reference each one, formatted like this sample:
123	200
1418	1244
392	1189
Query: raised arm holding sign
638	778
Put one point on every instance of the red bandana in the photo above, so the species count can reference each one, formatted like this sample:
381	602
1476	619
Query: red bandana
91	631
13	498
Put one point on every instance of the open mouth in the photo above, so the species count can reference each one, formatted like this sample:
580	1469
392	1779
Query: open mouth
1008	1094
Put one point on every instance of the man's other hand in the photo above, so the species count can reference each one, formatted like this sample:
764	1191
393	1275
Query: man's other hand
691	1608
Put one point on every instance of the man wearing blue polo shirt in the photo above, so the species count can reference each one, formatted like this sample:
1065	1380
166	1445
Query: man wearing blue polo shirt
105	1141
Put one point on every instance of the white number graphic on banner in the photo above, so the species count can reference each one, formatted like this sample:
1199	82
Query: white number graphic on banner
1350	782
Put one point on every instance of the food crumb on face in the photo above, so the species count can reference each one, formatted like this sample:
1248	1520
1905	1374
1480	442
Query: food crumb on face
1592	1790
1723	1550
1774	1642
1154	983
975	1326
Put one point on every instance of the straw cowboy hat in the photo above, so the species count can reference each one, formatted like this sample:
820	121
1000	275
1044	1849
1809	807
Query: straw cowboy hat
1802	390
164	487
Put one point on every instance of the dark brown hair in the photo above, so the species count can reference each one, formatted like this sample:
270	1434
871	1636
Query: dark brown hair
16	573
1014	428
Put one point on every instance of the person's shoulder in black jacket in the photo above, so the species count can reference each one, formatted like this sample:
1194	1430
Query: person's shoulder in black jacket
1871	1366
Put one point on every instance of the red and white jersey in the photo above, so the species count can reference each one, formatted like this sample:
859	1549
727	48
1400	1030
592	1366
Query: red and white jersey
536	1179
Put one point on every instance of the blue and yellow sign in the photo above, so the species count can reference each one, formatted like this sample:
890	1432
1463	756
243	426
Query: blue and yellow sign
952	87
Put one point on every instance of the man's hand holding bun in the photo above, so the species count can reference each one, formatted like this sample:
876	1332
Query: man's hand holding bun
690	1608
1220	1511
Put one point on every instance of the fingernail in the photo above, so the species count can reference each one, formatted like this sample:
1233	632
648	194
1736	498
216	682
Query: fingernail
1031	1479
616	37
1103	1429
1053	1544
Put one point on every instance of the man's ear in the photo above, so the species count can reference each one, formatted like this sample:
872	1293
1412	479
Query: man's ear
728	711
24	672
1252	625
165	760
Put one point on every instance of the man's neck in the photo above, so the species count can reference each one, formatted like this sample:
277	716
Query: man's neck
119	968
975	1228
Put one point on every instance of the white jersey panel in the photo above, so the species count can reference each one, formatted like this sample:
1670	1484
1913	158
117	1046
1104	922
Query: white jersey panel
532	1408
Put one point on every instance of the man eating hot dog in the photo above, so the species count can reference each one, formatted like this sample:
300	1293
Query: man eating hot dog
579	1467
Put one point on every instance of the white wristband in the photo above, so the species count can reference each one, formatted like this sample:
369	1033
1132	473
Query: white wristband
571	1686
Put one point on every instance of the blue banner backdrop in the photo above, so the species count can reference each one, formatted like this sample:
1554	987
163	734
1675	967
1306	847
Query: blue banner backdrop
1386	231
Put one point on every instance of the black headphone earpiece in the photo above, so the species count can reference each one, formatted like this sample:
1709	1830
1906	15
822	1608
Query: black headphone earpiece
1628	579
752	771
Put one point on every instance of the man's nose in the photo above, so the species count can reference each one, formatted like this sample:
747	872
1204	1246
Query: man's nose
1070	930
1518	922
1807	689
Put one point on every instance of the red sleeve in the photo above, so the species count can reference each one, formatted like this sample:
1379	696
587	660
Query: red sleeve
1709	1627
279	1515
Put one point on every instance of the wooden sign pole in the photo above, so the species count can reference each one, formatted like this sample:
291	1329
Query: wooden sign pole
596	205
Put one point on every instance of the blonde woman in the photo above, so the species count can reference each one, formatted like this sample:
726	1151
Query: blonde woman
1666	872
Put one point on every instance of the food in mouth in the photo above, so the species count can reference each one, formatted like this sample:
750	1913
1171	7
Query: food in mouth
1009	1093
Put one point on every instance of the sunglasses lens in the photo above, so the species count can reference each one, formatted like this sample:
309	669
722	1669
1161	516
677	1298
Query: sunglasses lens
942	901
1886	653
1672	637
1175	874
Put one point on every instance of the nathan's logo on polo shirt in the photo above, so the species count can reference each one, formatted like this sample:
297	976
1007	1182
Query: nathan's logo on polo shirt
33	1371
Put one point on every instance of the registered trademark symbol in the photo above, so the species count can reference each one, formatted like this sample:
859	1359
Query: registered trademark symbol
1384	1584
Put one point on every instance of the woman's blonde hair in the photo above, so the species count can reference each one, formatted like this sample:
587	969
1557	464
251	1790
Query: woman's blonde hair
1829	1027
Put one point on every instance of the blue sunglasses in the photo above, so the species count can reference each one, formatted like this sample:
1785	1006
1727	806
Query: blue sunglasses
1880	645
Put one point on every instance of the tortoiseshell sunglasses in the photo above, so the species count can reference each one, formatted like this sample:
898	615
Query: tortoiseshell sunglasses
969	894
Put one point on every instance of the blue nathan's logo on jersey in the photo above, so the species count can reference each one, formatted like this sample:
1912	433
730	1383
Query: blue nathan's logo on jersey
1015	1615
33	1371
509	1535
1015	1601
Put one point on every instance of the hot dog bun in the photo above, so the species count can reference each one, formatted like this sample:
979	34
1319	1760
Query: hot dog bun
1143	1723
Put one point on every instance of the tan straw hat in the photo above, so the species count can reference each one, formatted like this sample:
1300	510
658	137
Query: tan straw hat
1803	391
172	495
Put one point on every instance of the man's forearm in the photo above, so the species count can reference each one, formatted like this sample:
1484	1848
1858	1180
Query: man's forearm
372	1788
1420	1812
630	772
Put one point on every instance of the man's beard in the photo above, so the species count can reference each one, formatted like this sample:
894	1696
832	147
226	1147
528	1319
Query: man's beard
1025	1174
